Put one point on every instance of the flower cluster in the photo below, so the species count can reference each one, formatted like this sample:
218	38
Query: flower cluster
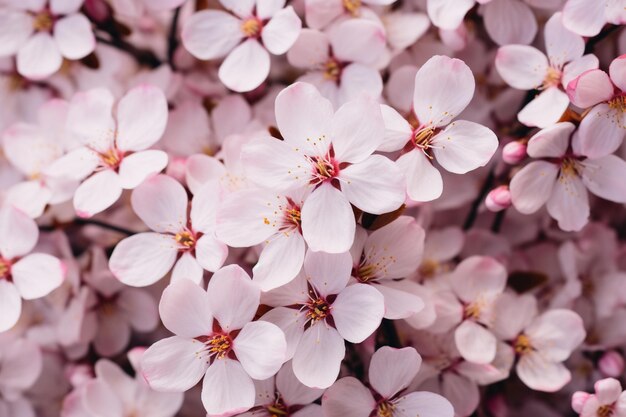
312	208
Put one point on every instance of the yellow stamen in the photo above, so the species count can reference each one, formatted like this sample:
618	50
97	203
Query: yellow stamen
385	409
185	239
352	6
605	411
569	167
522	345
424	136
332	70
618	103
318	310
110	158
428	268
220	346
553	78
251	27
43	21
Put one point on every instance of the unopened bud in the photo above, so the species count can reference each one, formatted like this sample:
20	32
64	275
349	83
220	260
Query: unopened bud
611	364
498	199
578	400
514	152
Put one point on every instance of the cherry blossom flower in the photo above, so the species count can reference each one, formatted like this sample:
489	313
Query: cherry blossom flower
458	146
340	62
114	154
526	68
215	338
541	342
21	361
587	17
608	400
388	254
326	313
321	13
331	155
245	37
42	33
603	129
182	237
23	275
390	373
562	175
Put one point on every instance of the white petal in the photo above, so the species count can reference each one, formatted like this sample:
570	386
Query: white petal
97	193
546	109
90	118
475	343
510	22
424	182
227	389
280	261
584	17
210	34
533	185
448	14
604	177
139	308
37	275
99	399
141	118
464	146
281	32
357	130
601	132
161	202
143	259
551	142
309	50
358	311
292	390
328	220
246	67
397	130
39	57
392	370
569	203
542	375
210	252
425	404
357	40
185	311
18	233
318	356
399	302
233	297
328	272
260	347
10	305
74	36
135	168
562	45
291	322
15	29
335	401
522	67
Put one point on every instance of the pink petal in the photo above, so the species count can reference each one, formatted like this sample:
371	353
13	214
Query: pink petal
184	309
74	36
464	146
18	233
448	14
618	72
74	165
233	297
604	177
90	118
357	130
122	386
424	182
601	131
556	334
478	277
174	364
569	203
260	347
187	268
319	13
522	67
231	115
210	252
358	80
135	168
309	50
97	193
28	148
139	308
37	275
141	118
318	356
291	322
608	390
242	8
575	68
15	29
532	186
30	197
328	272
551	142
399	302
280	261
404	28
39	57
200	169
513	314
510	22
357	40
210	34
392	370
113	334
65	6
22	364
437	106
546	109
302	113
374	185
562	45
10	305
246	67
590	88
584	17
265	9
204	208
425	404
292	390
328	220
281	32
143	259
397	130
475	343
227	389
541	374
358	311
161	202
348	398
99	399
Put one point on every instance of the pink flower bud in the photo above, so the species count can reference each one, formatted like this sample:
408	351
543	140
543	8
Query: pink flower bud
498	199
578	400
79	374
611	364
514	152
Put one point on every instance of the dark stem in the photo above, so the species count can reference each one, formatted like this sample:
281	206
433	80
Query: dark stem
172	42
473	214
606	32
94	222
497	221
388	335
143	56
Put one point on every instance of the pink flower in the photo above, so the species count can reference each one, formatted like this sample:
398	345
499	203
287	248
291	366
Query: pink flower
215	338
21	361
42	33
320	13
329	154
244	37
541	342
23	275
386	255
340	62
526	68
587	17
562	176
113	155
390	373
458	146
603	129
184	242
318	311
608	400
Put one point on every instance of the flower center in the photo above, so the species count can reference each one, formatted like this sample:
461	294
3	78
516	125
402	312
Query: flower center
5	269
569	167
385	409
251	27
185	239
219	345
553	78
522	345
319	309
278	408
111	158
605	410
618	103
324	169
332	70
352	6
366	271
43	21
473	310
428	268
423	138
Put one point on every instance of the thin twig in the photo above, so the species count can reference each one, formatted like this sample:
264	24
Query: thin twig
473	214
143	56
94	222
172	42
